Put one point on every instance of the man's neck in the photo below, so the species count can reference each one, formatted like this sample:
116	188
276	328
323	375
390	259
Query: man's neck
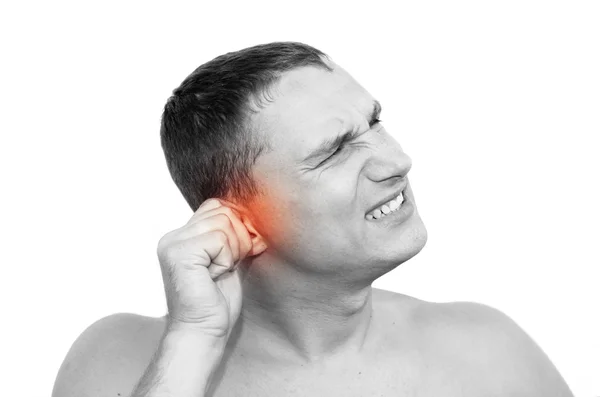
289	316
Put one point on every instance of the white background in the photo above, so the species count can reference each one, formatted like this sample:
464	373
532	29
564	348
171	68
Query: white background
497	103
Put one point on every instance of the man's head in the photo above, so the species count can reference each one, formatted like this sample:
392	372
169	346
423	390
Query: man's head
329	162
208	142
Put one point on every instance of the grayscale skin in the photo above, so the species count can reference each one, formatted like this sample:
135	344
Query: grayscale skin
298	315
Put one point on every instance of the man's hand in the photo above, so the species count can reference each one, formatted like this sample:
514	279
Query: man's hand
198	263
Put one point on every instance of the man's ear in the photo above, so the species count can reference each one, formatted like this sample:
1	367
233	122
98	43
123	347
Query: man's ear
258	243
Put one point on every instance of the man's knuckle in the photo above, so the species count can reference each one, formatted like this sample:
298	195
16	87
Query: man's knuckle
220	236
228	211
196	229
224	219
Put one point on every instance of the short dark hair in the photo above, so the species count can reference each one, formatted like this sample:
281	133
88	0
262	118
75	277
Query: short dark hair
207	140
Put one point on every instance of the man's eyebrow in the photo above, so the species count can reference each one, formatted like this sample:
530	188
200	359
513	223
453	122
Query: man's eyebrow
330	144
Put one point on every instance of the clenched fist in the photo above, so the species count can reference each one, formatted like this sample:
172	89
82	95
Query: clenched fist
199	268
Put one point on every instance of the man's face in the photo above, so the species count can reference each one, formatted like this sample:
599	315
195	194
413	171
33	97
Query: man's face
315	210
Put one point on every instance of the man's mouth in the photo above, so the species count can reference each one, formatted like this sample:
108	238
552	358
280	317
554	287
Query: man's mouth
387	208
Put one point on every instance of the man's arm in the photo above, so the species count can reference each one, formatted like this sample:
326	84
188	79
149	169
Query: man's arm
108	357
200	268
114	357
183	365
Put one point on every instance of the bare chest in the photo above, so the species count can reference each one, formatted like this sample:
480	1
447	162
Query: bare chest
350	381
400	363
415	376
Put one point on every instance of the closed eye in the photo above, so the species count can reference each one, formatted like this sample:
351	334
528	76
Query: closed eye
338	150
341	147
374	121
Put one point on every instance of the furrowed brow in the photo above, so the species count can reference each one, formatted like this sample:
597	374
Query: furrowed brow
329	145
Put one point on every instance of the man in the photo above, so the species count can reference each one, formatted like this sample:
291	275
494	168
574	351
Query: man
301	201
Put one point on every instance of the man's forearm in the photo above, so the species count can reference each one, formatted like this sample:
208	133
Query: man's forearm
182	366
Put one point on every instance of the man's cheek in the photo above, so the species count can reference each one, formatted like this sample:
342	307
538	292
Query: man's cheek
272	215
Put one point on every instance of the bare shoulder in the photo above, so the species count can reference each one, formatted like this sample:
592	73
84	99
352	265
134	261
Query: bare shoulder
477	343
489	344
109	357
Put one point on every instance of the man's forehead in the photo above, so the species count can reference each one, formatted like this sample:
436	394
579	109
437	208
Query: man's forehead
312	85
310	97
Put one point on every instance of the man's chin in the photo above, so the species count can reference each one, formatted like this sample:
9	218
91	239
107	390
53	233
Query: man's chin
405	244
414	238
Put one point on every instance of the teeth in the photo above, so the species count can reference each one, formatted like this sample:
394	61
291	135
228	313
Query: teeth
387	208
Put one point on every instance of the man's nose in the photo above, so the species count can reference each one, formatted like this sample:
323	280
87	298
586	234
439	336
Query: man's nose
388	160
